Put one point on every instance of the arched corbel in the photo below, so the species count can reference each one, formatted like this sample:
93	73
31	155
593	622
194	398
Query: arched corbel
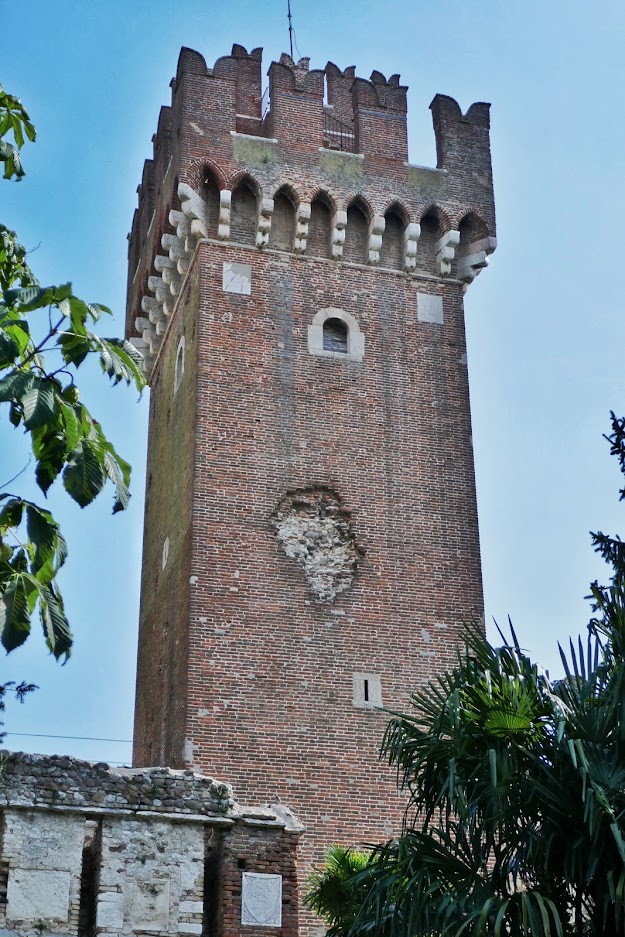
446	251
473	262
412	233
263	227
225	203
376	230
302	220
337	236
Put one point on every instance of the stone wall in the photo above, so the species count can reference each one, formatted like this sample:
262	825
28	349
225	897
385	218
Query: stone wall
86	849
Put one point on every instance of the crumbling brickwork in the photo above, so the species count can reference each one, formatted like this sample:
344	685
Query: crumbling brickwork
273	621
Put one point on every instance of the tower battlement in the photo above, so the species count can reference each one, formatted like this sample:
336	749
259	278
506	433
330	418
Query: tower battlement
321	134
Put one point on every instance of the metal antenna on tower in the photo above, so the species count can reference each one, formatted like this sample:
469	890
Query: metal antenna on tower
290	27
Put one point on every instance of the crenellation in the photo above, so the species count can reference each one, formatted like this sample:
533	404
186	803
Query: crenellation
339	92
207	105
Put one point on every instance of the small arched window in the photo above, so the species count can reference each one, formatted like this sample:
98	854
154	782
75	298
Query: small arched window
179	365
335	334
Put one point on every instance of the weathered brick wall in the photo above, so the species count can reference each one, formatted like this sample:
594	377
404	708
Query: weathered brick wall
160	705
377	450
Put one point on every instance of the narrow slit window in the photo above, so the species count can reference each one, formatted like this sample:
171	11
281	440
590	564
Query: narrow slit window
179	364
335	334
367	690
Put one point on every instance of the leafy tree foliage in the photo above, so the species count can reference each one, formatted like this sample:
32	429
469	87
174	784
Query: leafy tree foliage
13	120
515	784
338	891
45	336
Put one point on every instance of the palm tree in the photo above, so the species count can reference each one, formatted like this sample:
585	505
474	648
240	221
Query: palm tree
515	823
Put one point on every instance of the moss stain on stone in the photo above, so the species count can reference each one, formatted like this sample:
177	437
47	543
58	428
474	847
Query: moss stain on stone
431	181
256	153
341	167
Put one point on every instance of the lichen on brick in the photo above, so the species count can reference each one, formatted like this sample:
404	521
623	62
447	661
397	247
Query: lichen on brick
257	153
314	529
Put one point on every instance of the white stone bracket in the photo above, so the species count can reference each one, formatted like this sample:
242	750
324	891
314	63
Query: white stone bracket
225	204
412	233
376	230
446	251
195	209
301	227
472	263
182	225
337	237
263	226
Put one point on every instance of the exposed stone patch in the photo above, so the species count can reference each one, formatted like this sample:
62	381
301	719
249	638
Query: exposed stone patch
315	530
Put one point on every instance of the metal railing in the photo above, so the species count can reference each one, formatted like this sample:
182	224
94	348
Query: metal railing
337	135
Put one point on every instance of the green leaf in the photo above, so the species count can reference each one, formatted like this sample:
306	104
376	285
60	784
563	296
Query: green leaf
84	475
50	450
11	513
12	163
74	348
39	403
121	361
9	349
54	622
15	385
122	494
71	424
15	612
50	549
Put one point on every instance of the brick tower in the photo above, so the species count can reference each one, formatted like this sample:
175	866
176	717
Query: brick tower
311	542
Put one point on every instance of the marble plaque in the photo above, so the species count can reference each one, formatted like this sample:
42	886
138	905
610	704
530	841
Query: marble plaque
261	899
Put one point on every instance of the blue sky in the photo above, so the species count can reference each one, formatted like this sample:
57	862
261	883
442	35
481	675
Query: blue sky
545	323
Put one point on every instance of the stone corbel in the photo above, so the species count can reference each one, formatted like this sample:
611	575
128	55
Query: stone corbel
195	209
151	307
160	262
173	280
182	224
263	227
175	246
412	234
446	251
301	228
159	288
337	240
177	252
376	230
470	264
141	323
225	202
152	340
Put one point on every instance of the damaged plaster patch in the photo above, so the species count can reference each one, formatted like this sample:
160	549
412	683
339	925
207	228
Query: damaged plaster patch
314	529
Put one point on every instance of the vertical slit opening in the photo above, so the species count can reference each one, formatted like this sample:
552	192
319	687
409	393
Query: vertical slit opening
89	878
211	909
366	691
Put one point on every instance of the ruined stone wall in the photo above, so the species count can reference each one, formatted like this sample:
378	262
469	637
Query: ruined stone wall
85	849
